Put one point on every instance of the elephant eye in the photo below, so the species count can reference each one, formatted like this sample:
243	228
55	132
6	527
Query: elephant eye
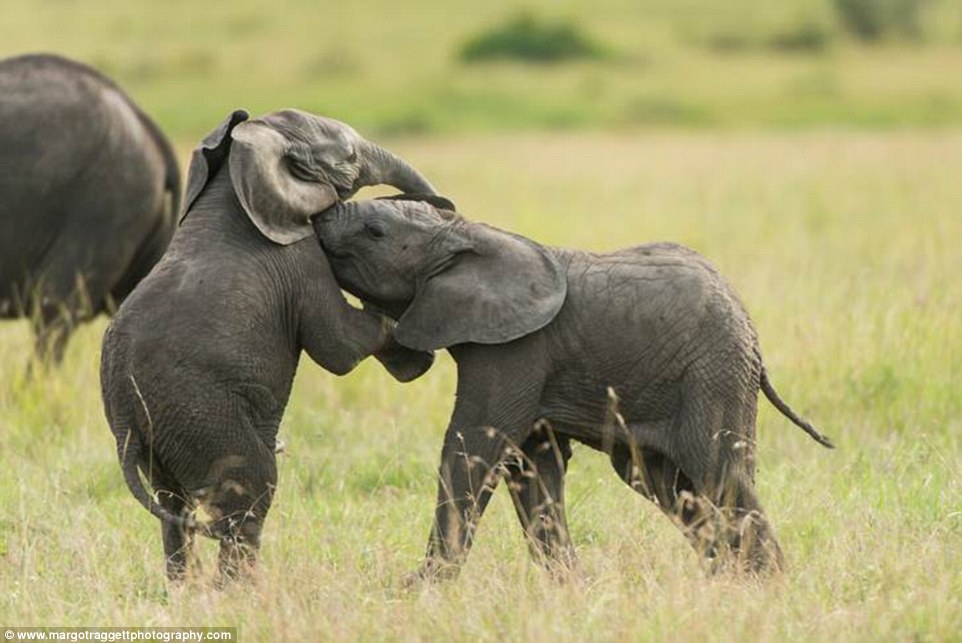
374	230
300	162
352	157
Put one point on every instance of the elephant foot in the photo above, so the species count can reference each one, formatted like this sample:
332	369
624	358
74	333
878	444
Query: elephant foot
562	570
240	573
746	547
431	572
237	560
179	571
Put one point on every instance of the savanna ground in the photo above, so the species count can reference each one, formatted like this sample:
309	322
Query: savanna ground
844	243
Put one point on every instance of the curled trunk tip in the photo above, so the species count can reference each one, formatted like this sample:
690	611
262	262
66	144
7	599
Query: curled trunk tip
385	167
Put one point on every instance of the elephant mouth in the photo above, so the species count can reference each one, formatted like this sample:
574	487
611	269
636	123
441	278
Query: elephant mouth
338	255
333	253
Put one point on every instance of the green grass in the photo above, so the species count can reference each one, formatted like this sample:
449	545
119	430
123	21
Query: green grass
397	70
843	246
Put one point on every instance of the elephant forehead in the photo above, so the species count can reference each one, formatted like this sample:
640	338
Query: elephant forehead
319	131
419	212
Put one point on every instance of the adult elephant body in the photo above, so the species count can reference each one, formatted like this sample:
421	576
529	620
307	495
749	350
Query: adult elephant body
89	194
198	363
645	354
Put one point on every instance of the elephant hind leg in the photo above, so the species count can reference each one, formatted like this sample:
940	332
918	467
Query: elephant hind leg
238	552
59	305
727	530
656	477
71	286
240	540
239	508
741	528
179	558
178	542
713	445
52	329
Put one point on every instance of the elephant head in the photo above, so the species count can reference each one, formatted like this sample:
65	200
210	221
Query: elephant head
446	280
289	165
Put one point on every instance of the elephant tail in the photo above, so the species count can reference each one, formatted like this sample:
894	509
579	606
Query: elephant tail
133	453
787	411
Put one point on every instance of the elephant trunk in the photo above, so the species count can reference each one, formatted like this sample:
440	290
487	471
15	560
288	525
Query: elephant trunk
384	167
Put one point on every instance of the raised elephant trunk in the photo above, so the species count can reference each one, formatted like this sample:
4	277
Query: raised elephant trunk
385	167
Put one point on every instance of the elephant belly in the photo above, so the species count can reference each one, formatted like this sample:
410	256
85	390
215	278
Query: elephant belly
586	407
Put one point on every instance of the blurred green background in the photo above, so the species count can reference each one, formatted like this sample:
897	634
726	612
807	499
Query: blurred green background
419	66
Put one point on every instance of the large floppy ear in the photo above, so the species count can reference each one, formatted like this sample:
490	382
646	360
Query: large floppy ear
438	201
497	287
277	181
208	157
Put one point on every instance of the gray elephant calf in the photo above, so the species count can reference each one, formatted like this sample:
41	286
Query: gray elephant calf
541	336
198	363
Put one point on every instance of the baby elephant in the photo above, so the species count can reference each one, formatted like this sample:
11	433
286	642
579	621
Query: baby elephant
198	363
645	354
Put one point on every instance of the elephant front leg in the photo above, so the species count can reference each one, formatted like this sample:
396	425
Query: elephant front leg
240	504
497	400
536	483
470	470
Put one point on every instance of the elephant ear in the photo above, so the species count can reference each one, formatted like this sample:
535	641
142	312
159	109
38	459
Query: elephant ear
277	181
208	157
497	287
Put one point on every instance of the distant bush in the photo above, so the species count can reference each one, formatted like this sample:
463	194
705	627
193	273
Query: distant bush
528	38
806	36
729	42
871	20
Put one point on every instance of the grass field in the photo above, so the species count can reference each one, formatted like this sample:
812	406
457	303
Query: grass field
845	248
